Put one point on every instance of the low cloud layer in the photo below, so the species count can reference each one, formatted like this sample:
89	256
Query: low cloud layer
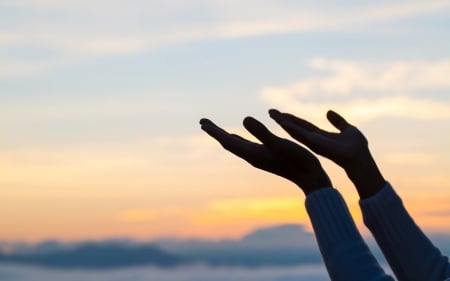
306	273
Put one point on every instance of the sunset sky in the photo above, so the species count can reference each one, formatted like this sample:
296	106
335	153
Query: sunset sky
100	102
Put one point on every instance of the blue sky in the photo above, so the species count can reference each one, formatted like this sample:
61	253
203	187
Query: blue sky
105	94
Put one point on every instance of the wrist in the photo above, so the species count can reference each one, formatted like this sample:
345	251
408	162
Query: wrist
320	181
324	182
309	191
365	175
308	174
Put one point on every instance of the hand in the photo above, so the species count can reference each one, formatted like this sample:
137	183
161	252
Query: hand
348	148
275	155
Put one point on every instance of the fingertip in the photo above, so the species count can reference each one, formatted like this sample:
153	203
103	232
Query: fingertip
276	115
273	111
248	120
331	114
337	120
204	121
208	126
258	129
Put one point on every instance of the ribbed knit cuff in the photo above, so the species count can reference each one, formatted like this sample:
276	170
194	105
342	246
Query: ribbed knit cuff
330	216
380	204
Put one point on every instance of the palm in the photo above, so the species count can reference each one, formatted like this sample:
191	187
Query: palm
289	160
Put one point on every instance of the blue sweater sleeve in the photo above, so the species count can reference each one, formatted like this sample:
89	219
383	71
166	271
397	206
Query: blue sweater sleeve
408	251
343	250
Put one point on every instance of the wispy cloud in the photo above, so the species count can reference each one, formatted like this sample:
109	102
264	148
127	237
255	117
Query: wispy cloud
366	90
78	30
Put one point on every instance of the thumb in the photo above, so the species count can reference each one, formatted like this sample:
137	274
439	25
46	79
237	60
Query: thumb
337	120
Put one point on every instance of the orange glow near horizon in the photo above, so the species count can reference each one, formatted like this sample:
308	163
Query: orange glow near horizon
218	219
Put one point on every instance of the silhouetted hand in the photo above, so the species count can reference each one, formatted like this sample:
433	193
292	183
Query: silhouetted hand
348	148
275	155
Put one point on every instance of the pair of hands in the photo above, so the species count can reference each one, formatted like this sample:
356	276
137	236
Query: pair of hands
348	148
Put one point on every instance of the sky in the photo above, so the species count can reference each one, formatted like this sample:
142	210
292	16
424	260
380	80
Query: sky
100	102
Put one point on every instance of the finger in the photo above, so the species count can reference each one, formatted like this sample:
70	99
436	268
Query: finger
297	128
280	117
337	120
231	142
217	132
297	132
260	131
242	139
212	129
205	121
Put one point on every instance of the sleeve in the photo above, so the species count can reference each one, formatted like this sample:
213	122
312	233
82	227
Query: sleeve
343	250
408	251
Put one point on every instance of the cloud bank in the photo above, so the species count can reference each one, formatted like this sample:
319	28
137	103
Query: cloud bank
367	90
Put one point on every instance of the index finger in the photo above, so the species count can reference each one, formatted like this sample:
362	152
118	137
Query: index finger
222	136
231	142
283	117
